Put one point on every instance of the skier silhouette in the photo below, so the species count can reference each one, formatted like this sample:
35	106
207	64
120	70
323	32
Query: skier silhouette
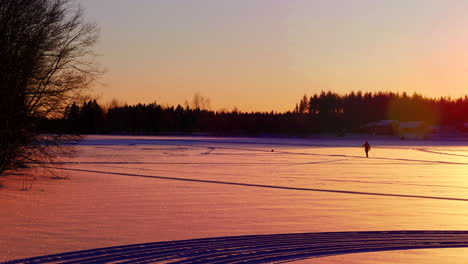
366	148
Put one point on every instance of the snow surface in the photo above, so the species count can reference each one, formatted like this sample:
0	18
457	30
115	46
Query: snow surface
123	190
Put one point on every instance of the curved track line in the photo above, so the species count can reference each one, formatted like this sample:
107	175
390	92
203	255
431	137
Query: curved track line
441	153
266	186
278	248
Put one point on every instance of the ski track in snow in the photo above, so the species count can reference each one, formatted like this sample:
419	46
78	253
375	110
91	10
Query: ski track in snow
290	177
441	153
181	144
266	186
295	153
277	248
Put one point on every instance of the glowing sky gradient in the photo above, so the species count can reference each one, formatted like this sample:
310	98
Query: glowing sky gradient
265	54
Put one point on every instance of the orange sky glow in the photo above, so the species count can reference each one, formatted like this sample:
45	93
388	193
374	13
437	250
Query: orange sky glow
260	55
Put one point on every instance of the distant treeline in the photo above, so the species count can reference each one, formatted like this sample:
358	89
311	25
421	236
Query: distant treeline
321	113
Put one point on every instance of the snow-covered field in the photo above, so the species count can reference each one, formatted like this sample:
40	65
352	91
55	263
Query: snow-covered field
123	190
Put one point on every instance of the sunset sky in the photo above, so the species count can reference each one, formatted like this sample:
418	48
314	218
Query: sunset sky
262	55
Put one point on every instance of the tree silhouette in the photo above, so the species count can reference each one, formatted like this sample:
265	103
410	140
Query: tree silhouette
46	62
326	112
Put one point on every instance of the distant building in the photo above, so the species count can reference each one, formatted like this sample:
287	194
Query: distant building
434	129
412	127
406	129
463	128
382	127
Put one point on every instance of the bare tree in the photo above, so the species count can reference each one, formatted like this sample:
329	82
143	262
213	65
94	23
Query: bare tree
201	103
46	62
114	103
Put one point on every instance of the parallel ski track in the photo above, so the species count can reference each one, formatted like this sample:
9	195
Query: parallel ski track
279	248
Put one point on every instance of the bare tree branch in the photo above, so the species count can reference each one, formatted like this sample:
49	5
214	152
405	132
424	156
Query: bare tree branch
46	63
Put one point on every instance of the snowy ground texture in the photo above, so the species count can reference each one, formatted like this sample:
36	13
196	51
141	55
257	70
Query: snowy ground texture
122	190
